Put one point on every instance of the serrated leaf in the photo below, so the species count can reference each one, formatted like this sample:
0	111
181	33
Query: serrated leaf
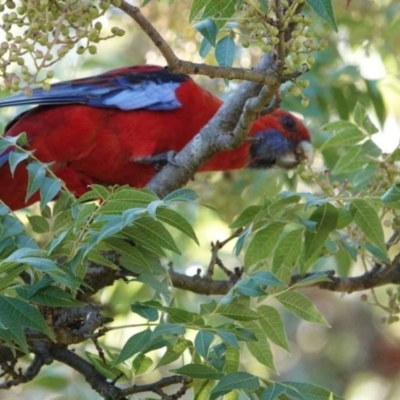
16	315
237	312
324	9
348	135
352	160
202	342
134	345
246	216
235	380
288	250
260	349
131	254
225	51
224	9
301	306
367	219
176	220
147	229
326	217
178	315
272	324
51	296
198	371
263	243
183	194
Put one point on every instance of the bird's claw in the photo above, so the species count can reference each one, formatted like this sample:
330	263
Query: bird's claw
158	160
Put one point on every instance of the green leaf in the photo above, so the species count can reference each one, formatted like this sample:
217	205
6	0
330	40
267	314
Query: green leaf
202	342
198	371
51	296
183	194
260	349
347	134
237	312
134	345
224	9
146	230
175	220
141	364
392	197
352	160
246	216
225	51
48	191
130	255
273	392
104	369
228	338
39	224
178	315
325	10
16	315
272	324
311	391
301	306
326	217
263	243
367	219
168	329
235	381
197	6
205	48
174	352
36	175
255	284
149	313
208	29
288	250
15	158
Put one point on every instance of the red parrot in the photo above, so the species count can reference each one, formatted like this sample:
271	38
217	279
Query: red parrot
117	127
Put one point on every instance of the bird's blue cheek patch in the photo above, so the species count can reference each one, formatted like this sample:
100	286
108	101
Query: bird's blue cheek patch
268	147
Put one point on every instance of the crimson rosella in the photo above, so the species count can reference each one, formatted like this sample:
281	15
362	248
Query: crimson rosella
110	129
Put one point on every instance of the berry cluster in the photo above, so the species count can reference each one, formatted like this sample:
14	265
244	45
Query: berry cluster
288	25
44	31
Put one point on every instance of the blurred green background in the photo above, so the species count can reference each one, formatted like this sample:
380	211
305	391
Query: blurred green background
358	357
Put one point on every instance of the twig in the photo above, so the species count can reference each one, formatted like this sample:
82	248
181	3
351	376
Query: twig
154	387
215	248
186	67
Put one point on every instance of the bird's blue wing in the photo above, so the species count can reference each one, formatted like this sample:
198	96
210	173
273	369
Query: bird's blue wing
133	88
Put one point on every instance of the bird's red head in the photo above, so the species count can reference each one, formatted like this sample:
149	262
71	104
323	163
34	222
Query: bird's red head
280	139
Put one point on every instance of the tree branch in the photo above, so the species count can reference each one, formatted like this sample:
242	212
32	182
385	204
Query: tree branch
186	67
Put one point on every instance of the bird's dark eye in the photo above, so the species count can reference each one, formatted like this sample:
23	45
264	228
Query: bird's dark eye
288	122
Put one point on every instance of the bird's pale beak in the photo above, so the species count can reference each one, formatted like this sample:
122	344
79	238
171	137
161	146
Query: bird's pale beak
305	151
